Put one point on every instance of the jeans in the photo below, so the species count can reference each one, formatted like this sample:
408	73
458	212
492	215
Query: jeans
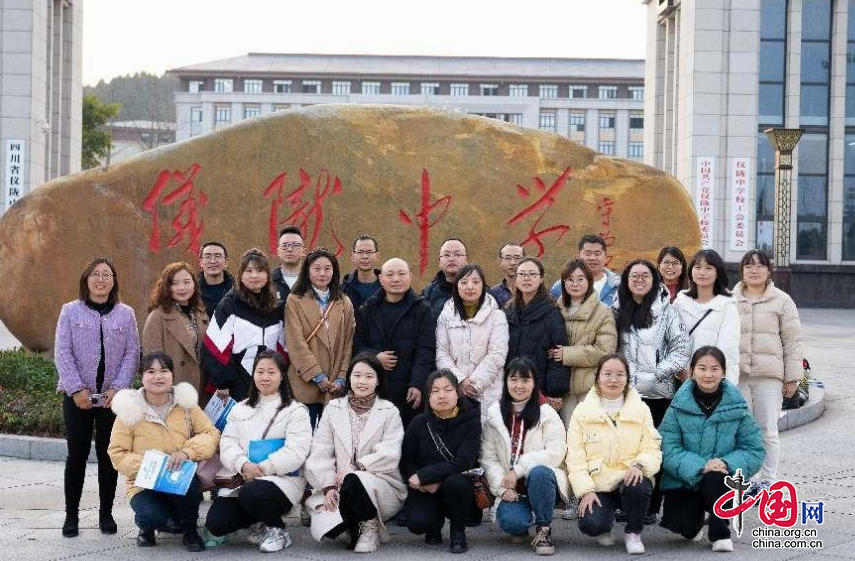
634	501
684	509
152	508
764	397
257	501
515	517
79	426
426	512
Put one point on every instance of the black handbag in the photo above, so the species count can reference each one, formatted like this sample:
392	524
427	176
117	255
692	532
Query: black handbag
803	392
481	493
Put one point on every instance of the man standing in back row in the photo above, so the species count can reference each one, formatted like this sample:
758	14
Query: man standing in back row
290	251
214	280
452	256
362	283
593	251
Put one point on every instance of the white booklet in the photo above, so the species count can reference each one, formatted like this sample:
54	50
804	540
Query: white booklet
154	475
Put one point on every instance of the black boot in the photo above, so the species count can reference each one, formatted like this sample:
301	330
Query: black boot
458	541
433	537
192	542
107	523
69	527
146	539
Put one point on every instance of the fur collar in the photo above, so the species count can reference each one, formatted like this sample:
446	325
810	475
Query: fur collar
130	406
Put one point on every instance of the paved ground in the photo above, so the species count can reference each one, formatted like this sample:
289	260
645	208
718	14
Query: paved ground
818	458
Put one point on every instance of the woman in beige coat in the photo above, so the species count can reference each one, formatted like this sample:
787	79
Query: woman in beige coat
770	354
161	417
353	465
319	326
590	329
177	322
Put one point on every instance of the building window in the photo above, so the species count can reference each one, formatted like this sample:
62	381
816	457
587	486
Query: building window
515	118
430	88
636	120
849	196
340	87
223	85
459	89
773	61
607	92
196	86
547	121
252	86
195	114
400	88
222	114
607	120
520	90
489	89
251	110
370	88
577	121
281	107
548	91
578	92
765	193
282	86
816	62
636	93
850	66
606	148
311	87
636	151
812	208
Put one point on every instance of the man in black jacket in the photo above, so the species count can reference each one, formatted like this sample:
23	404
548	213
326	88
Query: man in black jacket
361	284
290	252
398	325
214	280
452	256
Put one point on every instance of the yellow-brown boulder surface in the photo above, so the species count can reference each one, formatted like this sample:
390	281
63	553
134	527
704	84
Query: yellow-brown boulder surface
410	177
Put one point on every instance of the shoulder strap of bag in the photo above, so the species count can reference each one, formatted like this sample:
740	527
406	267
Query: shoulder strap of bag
321	321
440	445
697	323
270	424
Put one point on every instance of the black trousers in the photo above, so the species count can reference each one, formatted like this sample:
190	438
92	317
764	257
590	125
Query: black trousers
632	499
658	407
153	509
684	509
354	505
79	426
258	501
426	512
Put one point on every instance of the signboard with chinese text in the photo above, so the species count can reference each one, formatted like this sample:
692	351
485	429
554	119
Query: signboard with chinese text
740	185
14	184
705	197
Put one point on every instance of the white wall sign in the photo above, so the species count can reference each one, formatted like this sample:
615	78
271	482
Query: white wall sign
14	186
740	185
705	197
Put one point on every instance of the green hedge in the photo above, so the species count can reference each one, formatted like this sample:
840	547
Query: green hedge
29	402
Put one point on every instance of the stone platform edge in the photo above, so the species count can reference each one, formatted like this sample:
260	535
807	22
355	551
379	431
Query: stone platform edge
54	449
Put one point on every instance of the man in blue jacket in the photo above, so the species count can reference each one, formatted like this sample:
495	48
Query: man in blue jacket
593	251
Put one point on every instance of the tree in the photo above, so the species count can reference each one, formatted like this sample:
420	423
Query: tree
96	141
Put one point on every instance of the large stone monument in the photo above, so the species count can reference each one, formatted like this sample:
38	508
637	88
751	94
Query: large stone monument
408	176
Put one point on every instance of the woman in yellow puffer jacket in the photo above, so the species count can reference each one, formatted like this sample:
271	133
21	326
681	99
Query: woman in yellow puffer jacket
613	452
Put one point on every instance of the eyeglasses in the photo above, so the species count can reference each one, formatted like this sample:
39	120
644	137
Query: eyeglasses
613	376
640	276
752	266
364	253
527	275
575	281
670	263
511	258
101	276
452	255
213	257
293	245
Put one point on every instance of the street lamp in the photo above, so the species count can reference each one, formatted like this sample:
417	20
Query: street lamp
784	141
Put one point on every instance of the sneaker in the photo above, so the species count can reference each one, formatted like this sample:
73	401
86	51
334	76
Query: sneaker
606	540
369	539
722	546
633	544
256	533
519	538
458	542
192	542
146	539
210	540
276	539
433	538
542	542
620	516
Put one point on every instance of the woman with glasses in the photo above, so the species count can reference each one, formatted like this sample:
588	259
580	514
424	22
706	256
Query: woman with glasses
672	266
319	328
770	353
177	322
536	329
247	320
96	354
654	341
613	452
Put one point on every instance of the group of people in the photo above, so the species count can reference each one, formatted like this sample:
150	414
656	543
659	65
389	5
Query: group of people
613	397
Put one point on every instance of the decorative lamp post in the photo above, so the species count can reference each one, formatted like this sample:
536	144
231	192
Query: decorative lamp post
784	141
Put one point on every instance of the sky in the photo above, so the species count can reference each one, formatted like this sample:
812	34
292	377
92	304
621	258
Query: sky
127	36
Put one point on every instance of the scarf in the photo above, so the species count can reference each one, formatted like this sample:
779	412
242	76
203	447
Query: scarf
361	405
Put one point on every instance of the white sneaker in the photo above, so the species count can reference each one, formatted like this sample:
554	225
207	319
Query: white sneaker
633	544
276	539
606	540
369	539
256	533
723	546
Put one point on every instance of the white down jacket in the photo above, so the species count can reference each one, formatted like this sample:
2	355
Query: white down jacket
720	328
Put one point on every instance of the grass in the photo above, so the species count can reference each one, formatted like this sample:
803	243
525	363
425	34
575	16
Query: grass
29	402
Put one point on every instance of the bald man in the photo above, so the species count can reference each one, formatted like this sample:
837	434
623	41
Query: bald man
397	325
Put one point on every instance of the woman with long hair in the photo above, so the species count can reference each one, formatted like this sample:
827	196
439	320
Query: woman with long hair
353	465
272	482
319	326
472	338
536	329
96	352
248	320
177	322
522	453
672	266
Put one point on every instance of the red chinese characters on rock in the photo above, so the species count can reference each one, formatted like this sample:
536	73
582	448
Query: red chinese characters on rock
542	205
188	223
776	509
605	208
422	218
305	208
